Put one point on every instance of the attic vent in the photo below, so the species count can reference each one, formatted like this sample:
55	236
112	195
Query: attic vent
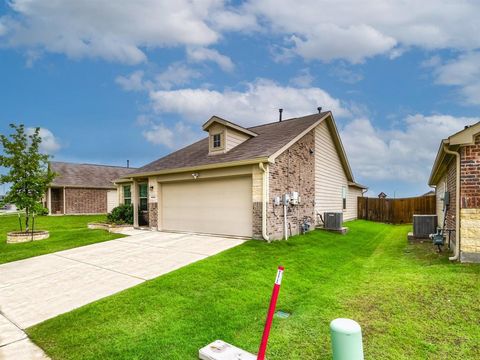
319	109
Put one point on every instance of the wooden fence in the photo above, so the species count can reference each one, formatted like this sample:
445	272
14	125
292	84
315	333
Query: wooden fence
395	211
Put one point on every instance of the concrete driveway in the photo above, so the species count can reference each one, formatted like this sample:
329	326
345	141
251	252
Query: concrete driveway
39	288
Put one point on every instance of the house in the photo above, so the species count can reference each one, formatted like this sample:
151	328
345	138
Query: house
83	188
382	195
456	178
233	181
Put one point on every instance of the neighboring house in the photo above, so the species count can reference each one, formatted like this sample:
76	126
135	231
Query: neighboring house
456	178
429	193
83	188
382	195
230	182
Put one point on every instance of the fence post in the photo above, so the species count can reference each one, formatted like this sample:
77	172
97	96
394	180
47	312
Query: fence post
346	338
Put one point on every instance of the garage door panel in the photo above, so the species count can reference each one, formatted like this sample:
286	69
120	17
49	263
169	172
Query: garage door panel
209	206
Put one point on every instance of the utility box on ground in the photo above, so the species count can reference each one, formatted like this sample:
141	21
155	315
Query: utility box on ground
220	350
333	220
424	225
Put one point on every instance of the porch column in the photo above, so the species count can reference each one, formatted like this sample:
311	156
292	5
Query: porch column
134	194
64	202
49	201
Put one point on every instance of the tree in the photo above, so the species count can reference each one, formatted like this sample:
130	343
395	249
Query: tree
28	172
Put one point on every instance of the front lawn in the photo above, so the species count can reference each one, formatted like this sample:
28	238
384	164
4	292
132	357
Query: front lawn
65	232
411	302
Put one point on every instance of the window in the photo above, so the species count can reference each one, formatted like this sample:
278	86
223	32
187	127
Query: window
344	197
143	196
127	195
217	141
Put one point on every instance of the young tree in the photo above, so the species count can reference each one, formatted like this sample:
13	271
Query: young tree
28	172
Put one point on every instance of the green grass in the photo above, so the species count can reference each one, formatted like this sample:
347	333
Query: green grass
66	232
411	302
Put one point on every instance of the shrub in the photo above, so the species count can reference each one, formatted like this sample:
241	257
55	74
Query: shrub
122	214
42	211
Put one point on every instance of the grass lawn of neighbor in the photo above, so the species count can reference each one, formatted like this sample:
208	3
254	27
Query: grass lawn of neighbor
411	302
66	232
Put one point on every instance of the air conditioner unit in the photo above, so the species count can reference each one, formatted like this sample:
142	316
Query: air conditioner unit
333	220
424	225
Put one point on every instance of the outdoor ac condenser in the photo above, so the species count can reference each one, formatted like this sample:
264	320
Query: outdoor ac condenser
424	225
333	220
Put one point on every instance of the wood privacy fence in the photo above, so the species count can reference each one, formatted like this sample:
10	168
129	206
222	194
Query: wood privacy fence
395	211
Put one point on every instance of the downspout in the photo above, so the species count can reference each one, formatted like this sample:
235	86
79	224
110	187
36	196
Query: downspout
457	200
264	202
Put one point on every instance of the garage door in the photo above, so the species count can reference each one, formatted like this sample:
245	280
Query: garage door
221	206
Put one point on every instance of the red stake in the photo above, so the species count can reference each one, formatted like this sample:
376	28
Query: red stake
271	312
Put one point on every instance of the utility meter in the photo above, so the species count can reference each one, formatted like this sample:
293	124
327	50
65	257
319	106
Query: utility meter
295	198
277	201
286	199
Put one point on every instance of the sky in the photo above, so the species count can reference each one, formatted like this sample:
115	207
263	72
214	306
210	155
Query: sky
108	81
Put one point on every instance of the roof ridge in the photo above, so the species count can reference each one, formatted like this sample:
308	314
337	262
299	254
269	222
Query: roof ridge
90	164
322	114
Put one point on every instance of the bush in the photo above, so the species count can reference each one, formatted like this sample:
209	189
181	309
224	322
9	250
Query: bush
122	214
43	211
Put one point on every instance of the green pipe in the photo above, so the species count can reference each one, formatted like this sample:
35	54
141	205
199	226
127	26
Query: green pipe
346	337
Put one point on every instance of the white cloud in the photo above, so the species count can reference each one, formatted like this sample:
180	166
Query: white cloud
49	144
133	82
202	54
108	29
176	74
303	79
353	30
258	103
179	135
405	154
464	73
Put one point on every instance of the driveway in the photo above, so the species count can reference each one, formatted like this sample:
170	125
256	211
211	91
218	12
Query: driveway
39	288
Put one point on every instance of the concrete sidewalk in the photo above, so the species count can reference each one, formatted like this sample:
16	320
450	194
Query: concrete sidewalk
39	288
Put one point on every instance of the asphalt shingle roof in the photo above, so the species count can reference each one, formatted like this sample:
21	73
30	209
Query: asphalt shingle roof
87	175
271	138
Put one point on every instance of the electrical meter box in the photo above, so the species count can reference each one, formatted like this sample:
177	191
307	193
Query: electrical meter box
295	198
277	201
286	199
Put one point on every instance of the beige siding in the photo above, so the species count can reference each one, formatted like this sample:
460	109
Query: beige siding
439	193
352	203
234	138
329	173
112	200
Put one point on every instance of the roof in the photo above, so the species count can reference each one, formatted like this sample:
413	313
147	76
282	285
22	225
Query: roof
86	175
462	138
217	119
357	185
271	140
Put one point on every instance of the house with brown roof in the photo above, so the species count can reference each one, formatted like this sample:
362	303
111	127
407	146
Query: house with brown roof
456	178
83	188
234	181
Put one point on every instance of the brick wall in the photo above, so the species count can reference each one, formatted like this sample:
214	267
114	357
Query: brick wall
451	188
293	171
85	201
153	215
470	176
470	203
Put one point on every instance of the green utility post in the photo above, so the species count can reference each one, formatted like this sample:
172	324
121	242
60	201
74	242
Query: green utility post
346	340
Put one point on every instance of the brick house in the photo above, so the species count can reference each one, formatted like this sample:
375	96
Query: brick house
83	188
456	178
231	182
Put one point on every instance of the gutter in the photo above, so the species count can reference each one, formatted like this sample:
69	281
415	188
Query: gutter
264	202
456	255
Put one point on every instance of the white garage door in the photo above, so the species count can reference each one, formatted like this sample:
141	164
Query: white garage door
112	200
221	206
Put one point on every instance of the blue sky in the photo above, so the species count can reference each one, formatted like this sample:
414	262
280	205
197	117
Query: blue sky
110	81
